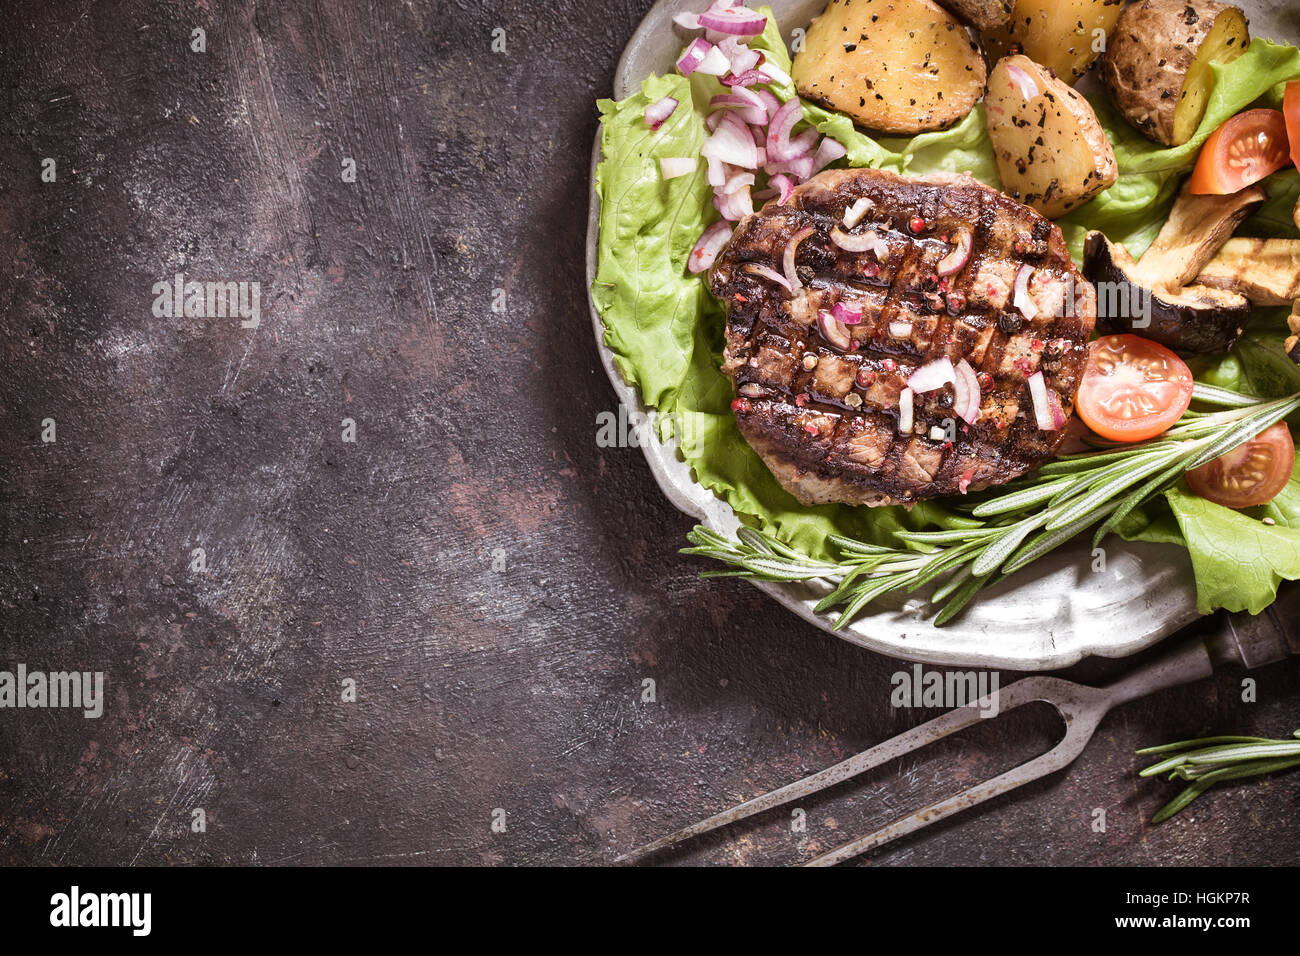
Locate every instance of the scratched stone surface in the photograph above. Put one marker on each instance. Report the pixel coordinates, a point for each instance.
(496, 585)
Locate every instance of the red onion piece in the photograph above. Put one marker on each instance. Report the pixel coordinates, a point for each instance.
(715, 63)
(861, 242)
(732, 143)
(932, 375)
(847, 314)
(738, 22)
(735, 181)
(905, 411)
(747, 111)
(717, 172)
(752, 390)
(1042, 409)
(969, 399)
(787, 260)
(900, 330)
(745, 79)
(1058, 413)
(693, 56)
(1022, 81)
(782, 125)
(709, 245)
(835, 333)
(734, 206)
(658, 111)
(670, 167)
(774, 73)
(828, 151)
(800, 169)
(770, 102)
(782, 183)
(853, 215)
(803, 145)
(1021, 299)
(956, 260)
(687, 21)
(767, 272)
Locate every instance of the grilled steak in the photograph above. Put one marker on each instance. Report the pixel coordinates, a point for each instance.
(822, 401)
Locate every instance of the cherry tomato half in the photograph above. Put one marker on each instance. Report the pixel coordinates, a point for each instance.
(1132, 388)
(1251, 474)
(1291, 109)
(1242, 151)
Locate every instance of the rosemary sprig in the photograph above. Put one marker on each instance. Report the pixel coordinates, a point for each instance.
(1025, 520)
(1212, 760)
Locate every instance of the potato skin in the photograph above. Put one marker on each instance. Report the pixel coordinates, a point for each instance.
(1059, 34)
(1148, 56)
(981, 14)
(894, 66)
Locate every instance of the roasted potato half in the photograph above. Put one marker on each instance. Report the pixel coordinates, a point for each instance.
(896, 66)
(1062, 35)
(1157, 65)
(1051, 152)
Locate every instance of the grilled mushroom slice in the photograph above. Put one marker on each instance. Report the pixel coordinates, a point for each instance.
(1265, 271)
(1292, 344)
(1193, 320)
(1196, 229)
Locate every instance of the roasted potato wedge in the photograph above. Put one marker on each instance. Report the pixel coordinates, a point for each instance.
(981, 14)
(1062, 35)
(1157, 65)
(1051, 152)
(896, 66)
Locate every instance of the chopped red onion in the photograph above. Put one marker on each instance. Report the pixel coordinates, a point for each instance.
(732, 143)
(687, 21)
(900, 330)
(782, 125)
(787, 260)
(1058, 413)
(905, 411)
(1021, 299)
(774, 73)
(717, 172)
(1023, 81)
(752, 390)
(828, 151)
(670, 167)
(715, 63)
(709, 245)
(658, 111)
(745, 79)
(800, 169)
(693, 56)
(752, 114)
(853, 215)
(770, 102)
(767, 272)
(737, 21)
(956, 260)
(861, 242)
(931, 376)
(782, 183)
(835, 333)
(967, 385)
(1042, 409)
(847, 314)
(734, 206)
(735, 181)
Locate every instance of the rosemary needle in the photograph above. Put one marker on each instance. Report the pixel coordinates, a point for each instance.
(1212, 760)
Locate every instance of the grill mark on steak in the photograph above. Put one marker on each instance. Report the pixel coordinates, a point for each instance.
(825, 419)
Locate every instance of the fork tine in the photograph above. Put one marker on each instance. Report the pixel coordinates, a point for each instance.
(1020, 692)
(1076, 737)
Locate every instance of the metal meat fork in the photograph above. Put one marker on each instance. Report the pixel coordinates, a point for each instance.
(1239, 639)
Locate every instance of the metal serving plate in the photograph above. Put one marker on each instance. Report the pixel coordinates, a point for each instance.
(1047, 616)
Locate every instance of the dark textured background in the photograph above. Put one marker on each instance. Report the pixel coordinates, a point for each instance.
(479, 688)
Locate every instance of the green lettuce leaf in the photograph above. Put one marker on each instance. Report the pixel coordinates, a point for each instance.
(1239, 558)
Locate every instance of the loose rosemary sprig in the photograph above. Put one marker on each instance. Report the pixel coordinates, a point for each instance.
(1026, 520)
(1211, 760)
